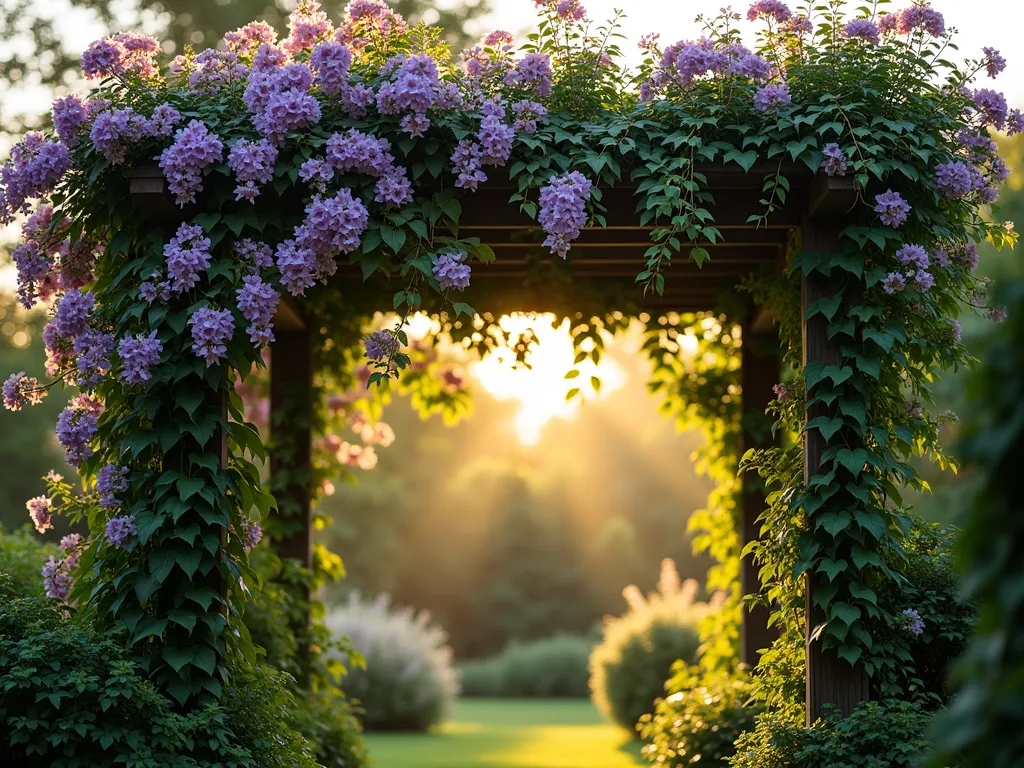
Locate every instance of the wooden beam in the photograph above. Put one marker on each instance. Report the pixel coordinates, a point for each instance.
(759, 372)
(829, 679)
(291, 408)
(831, 197)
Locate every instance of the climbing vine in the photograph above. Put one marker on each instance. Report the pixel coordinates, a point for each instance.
(355, 147)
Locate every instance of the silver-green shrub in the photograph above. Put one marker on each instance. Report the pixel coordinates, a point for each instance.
(407, 681)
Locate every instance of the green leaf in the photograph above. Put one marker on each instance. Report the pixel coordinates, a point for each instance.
(854, 461)
(189, 486)
(846, 613)
(699, 256)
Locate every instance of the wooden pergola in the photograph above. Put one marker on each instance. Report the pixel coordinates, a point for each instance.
(816, 210)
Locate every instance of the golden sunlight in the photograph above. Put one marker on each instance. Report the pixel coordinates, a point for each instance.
(541, 386)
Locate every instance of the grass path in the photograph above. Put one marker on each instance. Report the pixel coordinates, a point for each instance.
(511, 733)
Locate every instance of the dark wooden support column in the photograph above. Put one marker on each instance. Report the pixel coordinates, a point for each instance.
(291, 409)
(829, 679)
(758, 374)
(291, 404)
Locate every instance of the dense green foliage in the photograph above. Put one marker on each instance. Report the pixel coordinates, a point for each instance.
(700, 719)
(628, 668)
(550, 667)
(22, 554)
(72, 698)
(983, 724)
(887, 734)
(403, 678)
(928, 582)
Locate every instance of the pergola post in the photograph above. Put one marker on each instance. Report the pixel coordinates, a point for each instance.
(291, 408)
(829, 679)
(759, 372)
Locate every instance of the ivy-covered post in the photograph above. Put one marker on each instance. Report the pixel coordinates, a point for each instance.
(830, 680)
(291, 407)
(759, 372)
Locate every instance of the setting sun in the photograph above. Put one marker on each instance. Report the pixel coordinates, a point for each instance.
(541, 386)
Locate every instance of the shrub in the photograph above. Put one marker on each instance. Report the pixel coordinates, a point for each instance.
(407, 681)
(321, 712)
(699, 721)
(630, 665)
(71, 698)
(22, 554)
(887, 734)
(929, 583)
(550, 667)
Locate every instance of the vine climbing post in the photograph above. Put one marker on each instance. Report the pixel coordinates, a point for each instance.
(759, 372)
(291, 401)
(830, 680)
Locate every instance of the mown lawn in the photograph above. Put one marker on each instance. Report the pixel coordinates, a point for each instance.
(511, 733)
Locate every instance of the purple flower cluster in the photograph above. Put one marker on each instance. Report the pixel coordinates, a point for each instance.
(59, 349)
(526, 114)
(120, 531)
(254, 254)
(165, 118)
(862, 29)
(115, 131)
(138, 354)
(330, 62)
(253, 164)
(532, 73)
(920, 17)
(93, 350)
(355, 99)
(187, 256)
(75, 429)
(35, 168)
(21, 390)
(956, 179)
(834, 162)
(913, 622)
(772, 97)
(279, 101)
(563, 210)
(155, 288)
(57, 581)
(251, 535)
(357, 152)
(570, 10)
(213, 70)
(68, 114)
(966, 256)
(992, 106)
(380, 345)
(994, 62)
(467, 165)
(246, 41)
(781, 393)
(332, 225)
(211, 329)
(452, 272)
(307, 24)
(494, 136)
(393, 189)
(124, 54)
(73, 313)
(413, 91)
(692, 60)
(891, 208)
(913, 256)
(894, 282)
(110, 481)
(183, 163)
(40, 510)
(773, 10)
(257, 302)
